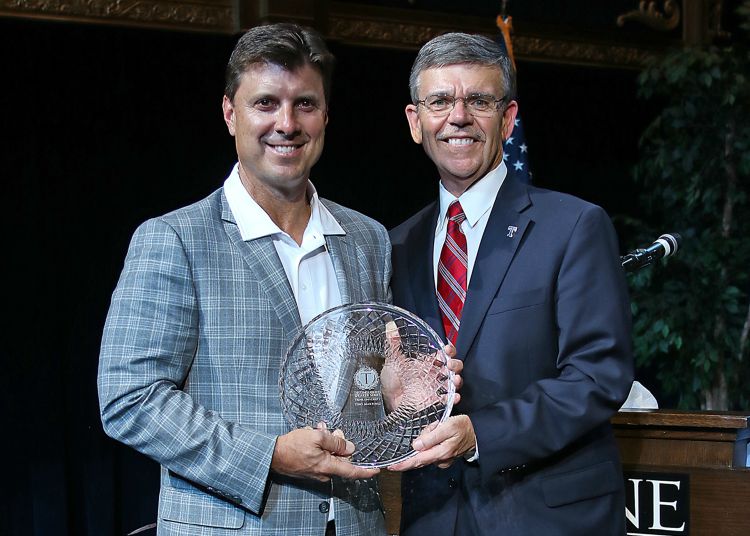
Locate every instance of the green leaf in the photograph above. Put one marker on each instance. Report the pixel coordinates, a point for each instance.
(688, 311)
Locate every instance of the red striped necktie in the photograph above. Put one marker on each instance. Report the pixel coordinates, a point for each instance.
(452, 269)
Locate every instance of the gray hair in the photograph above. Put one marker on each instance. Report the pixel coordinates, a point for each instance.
(455, 48)
(288, 45)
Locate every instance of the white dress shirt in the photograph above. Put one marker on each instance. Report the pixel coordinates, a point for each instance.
(477, 203)
(308, 266)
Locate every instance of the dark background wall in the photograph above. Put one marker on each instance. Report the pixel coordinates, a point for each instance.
(104, 127)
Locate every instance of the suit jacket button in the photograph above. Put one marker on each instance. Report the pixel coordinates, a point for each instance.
(452, 483)
(324, 507)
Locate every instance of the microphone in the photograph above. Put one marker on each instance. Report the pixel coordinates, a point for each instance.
(664, 246)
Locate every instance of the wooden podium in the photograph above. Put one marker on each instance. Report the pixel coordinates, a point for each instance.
(705, 452)
(708, 448)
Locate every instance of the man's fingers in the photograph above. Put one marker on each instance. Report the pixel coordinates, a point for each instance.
(453, 434)
(345, 469)
(316, 453)
(458, 381)
(336, 444)
(342, 468)
(406, 465)
(415, 462)
(425, 439)
(455, 365)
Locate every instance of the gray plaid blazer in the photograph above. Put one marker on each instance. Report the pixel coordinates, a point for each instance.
(189, 366)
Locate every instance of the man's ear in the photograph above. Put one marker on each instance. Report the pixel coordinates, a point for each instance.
(509, 119)
(228, 113)
(415, 124)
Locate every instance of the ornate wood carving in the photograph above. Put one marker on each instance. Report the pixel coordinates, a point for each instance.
(560, 51)
(211, 15)
(383, 33)
(350, 22)
(648, 14)
(531, 48)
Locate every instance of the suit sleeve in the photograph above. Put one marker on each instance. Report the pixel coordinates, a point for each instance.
(593, 363)
(150, 339)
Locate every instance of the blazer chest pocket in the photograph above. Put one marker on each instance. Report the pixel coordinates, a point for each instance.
(517, 300)
(197, 508)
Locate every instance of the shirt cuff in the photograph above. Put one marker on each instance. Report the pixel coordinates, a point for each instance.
(472, 455)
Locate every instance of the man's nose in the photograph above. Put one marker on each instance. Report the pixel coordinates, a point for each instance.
(460, 113)
(286, 119)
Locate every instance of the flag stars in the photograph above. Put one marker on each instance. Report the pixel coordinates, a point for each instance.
(516, 153)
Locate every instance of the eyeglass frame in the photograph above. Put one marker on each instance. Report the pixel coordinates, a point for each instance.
(455, 99)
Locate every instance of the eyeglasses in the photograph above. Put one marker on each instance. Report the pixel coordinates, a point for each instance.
(477, 104)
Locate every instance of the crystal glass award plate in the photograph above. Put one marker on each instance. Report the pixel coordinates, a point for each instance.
(374, 371)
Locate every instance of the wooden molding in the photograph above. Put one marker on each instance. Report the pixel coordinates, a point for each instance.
(358, 24)
(400, 29)
(649, 14)
(196, 15)
(532, 48)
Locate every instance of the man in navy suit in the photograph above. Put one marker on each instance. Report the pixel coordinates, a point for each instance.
(528, 285)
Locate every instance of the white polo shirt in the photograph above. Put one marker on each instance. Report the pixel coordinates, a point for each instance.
(308, 266)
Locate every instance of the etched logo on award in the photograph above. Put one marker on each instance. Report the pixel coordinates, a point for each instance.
(366, 381)
(366, 378)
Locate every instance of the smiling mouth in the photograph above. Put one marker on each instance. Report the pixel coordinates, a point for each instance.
(460, 141)
(284, 149)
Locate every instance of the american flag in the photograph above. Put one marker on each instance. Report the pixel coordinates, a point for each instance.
(516, 154)
(515, 150)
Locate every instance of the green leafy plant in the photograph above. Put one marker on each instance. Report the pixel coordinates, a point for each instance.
(692, 311)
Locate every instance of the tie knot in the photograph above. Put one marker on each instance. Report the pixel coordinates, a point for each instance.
(456, 212)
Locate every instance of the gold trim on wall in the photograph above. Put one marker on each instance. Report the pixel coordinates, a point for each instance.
(560, 51)
(529, 48)
(200, 15)
(648, 13)
(357, 24)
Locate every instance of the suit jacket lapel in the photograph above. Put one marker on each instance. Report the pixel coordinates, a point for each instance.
(502, 236)
(422, 272)
(260, 255)
(344, 257)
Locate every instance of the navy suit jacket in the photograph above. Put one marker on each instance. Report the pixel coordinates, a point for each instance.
(546, 344)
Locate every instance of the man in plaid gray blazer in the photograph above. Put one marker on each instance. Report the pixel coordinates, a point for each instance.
(211, 296)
